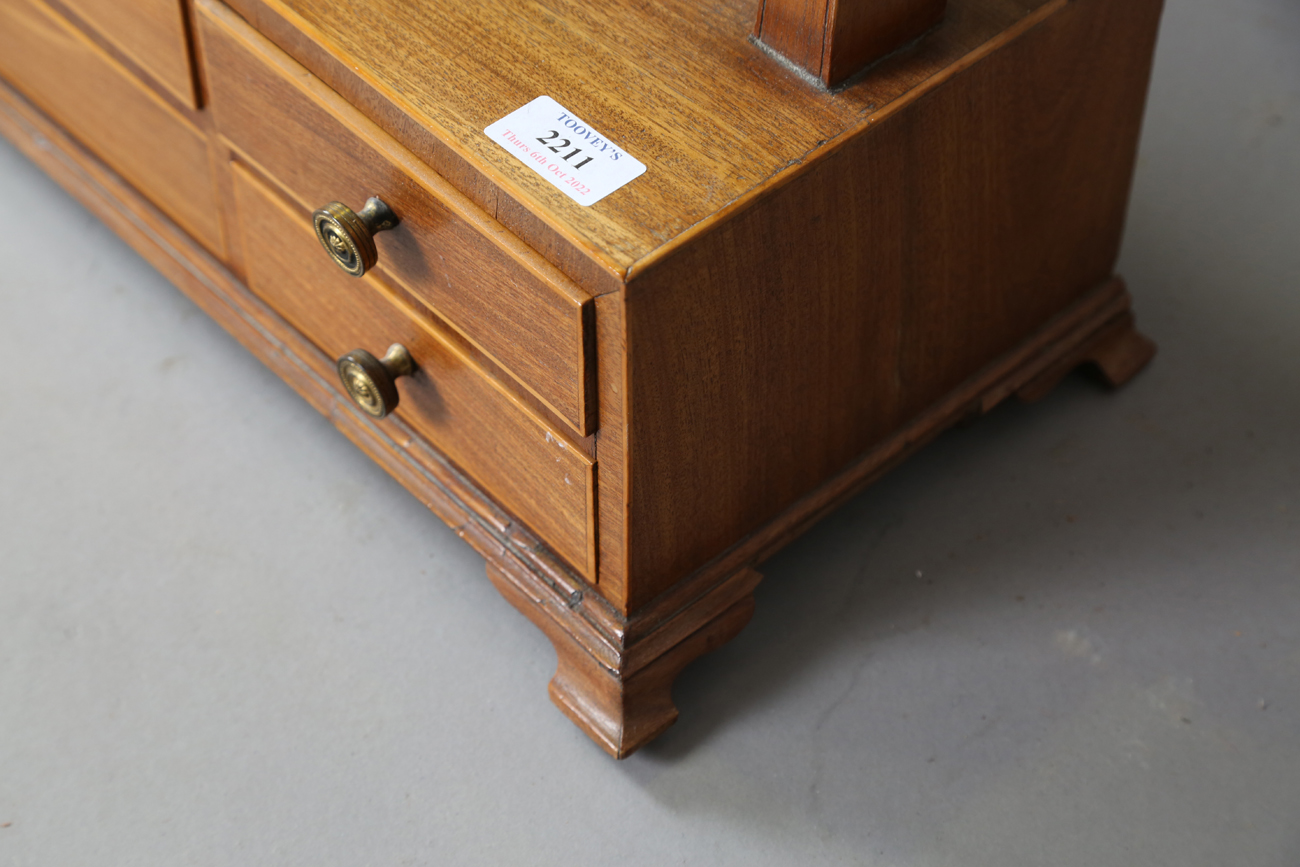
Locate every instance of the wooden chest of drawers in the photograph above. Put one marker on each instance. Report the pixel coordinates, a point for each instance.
(624, 406)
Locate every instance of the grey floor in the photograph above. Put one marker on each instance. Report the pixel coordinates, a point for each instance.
(1066, 635)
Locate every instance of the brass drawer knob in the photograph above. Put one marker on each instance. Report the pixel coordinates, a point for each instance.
(349, 236)
(372, 382)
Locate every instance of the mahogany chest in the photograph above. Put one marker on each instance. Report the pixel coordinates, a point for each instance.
(628, 294)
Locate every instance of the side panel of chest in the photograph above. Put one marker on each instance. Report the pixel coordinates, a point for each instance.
(770, 348)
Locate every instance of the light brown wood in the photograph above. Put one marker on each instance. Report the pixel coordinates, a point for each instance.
(1061, 344)
(611, 447)
(853, 297)
(533, 471)
(1118, 351)
(150, 143)
(621, 701)
(598, 646)
(803, 289)
(597, 640)
(614, 674)
(397, 447)
(680, 87)
(832, 40)
(498, 293)
(152, 33)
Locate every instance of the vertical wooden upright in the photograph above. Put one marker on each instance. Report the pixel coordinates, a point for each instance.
(833, 39)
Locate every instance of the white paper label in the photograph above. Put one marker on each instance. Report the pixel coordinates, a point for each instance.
(564, 149)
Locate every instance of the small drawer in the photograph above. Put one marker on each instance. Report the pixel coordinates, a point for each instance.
(450, 400)
(122, 121)
(496, 291)
(151, 33)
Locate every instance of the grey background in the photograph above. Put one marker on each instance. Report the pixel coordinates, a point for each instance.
(1066, 635)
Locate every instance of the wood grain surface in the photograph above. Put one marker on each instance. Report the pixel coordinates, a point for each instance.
(392, 443)
(615, 672)
(533, 471)
(803, 289)
(135, 131)
(764, 355)
(623, 699)
(832, 40)
(611, 448)
(153, 33)
(596, 640)
(497, 292)
(714, 118)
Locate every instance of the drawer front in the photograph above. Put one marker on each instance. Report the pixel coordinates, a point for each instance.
(498, 293)
(118, 118)
(151, 33)
(450, 400)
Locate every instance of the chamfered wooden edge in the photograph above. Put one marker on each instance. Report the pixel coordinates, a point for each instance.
(615, 672)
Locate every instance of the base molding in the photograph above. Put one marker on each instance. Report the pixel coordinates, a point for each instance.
(615, 673)
(621, 694)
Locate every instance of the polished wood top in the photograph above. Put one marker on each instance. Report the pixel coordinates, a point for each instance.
(676, 83)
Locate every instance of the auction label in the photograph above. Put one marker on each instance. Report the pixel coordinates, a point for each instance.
(576, 159)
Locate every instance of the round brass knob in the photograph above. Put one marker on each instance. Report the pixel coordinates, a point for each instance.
(349, 236)
(372, 382)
